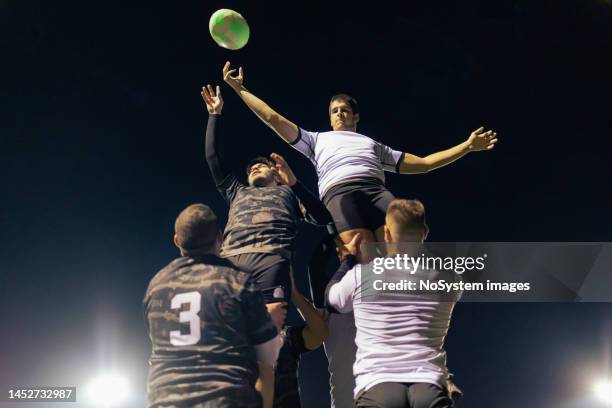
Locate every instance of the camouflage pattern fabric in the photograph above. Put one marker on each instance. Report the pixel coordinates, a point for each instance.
(204, 318)
(261, 219)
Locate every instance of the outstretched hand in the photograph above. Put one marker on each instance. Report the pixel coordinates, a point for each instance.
(283, 170)
(213, 99)
(234, 81)
(481, 140)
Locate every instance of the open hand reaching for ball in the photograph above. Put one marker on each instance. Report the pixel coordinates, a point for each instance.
(213, 99)
(235, 81)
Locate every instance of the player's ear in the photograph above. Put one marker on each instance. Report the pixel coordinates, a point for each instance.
(175, 240)
(388, 238)
(357, 117)
(425, 233)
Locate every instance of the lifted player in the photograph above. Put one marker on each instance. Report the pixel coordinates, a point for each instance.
(351, 166)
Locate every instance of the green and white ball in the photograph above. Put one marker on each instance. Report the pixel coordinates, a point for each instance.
(229, 29)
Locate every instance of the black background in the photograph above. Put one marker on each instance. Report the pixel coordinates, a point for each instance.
(102, 145)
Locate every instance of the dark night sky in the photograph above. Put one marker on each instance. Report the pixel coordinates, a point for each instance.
(101, 136)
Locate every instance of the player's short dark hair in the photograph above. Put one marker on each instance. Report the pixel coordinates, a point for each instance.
(409, 215)
(260, 159)
(196, 227)
(348, 99)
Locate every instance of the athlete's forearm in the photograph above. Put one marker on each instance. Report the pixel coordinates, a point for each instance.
(347, 263)
(283, 127)
(414, 164)
(213, 159)
(316, 329)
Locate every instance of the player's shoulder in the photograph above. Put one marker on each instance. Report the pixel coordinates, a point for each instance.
(203, 271)
(167, 272)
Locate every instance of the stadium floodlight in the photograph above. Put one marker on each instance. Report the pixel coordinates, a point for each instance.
(603, 391)
(108, 390)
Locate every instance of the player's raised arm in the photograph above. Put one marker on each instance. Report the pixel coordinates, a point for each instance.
(286, 129)
(214, 106)
(224, 179)
(478, 140)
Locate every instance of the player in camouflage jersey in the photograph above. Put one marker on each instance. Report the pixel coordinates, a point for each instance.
(263, 216)
(209, 328)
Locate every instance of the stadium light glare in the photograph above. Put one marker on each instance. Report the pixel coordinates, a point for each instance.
(108, 390)
(603, 391)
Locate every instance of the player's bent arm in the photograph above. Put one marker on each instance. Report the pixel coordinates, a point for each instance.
(412, 164)
(286, 129)
(316, 330)
(339, 291)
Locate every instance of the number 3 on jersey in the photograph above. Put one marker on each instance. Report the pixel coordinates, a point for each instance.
(189, 316)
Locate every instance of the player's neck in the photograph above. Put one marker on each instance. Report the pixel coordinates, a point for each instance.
(193, 253)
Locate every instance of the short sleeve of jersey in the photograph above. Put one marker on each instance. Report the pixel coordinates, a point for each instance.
(305, 143)
(389, 158)
(260, 327)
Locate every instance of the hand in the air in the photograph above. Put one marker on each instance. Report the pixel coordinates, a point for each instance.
(283, 170)
(234, 81)
(213, 99)
(481, 140)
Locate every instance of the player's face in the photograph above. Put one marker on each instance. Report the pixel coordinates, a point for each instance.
(261, 175)
(341, 116)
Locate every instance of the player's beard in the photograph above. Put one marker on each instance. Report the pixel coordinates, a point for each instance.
(263, 181)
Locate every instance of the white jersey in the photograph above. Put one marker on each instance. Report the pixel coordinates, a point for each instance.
(344, 155)
(397, 340)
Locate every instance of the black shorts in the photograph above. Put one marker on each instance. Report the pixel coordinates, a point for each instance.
(404, 395)
(268, 270)
(358, 204)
